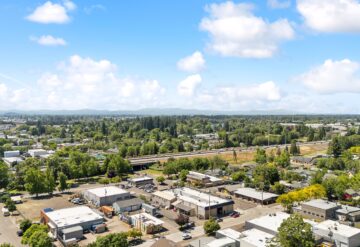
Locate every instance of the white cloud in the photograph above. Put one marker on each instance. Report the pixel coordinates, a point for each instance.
(188, 86)
(48, 40)
(89, 10)
(333, 77)
(52, 12)
(84, 82)
(279, 4)
(193, 63)
(236, 31)
(331, 15)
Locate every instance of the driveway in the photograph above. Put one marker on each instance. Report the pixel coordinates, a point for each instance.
(8, 229)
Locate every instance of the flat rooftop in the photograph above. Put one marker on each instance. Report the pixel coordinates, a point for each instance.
(199, 175)
(167, 195)
(139, 179)
(256, 194)
(320, 203)
(221, 242)
(337, 228)
(273, 221)
(199, 198)
(72, 216)
(347, 209)
(230, 233)
(147, 219)
(256, 237)
(107, 191)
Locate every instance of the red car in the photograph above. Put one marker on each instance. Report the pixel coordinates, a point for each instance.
(235, 215)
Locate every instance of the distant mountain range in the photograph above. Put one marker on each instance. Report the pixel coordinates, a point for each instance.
(145, 112)
(161, 112)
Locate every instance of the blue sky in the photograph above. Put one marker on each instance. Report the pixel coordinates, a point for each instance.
(300, 56)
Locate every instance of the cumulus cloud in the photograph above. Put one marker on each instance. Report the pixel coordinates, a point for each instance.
(82, 82)
(236, 31)
(48, 40)
(52, 12)
(278, 4)
(331, 16)
(333, 77)
(193, 63)
(188, 86)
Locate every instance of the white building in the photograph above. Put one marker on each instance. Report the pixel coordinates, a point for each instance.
(105, 195)
(146, 223)
(222, 242)
(342, 235)
(255, 238)
(61, 219)
(38, 153)
(193, 202)
(11, 154)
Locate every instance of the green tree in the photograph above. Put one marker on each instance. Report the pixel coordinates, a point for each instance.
(294, 150)
(34, 181)
(63, 185)
(111, 240)
(260, 156)
(6, 245)
(335, 147)
(4, 175)
(235, 156)
(134, 233)
(278, 188)
(238, 176)
(294, 232)
(32, 230)
(160, 179)
(25, 224)
(183, 175)
(49, 182)
(211, 226)
(40, 239)
(10, 205)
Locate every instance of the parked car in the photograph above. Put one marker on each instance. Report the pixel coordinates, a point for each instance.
(219, 220)
(235, 215)
(186, 236)
(20, 233)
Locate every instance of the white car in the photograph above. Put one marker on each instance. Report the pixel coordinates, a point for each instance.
(186, 236)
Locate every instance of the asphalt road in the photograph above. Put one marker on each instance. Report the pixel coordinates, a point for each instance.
(8, 231)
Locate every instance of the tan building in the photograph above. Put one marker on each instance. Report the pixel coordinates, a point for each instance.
(318, 209)
(163, 199)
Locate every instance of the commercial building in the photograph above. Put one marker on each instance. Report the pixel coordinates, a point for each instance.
(255, 238)
(222, 242)
(163, 199)
(105, 195)
(256, 195)
(340, 234)
(11, 154)
(141, 181)
(59, 220)
(127, 205)
(146, 223)
(38, 153)
(348, 213)
(12, 161)
(271, 222)
(318, 209)
(198, 178)
(195, 203)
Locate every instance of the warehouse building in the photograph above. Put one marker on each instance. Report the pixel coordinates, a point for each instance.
(348, 213)
(198, 178)
(105, 195)
(146, 223)
(256, 196)
(68, 218)
(141, 181)
(318, 209)
(127, 205)
(163, 199)
(196, 203)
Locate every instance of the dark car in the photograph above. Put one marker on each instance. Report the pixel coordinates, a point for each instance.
(20, 233)
(235, 215)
